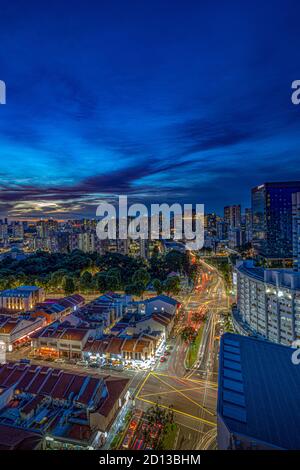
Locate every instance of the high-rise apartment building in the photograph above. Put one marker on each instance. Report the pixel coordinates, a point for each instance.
(232, 215)
(268, 303)
(296, 230)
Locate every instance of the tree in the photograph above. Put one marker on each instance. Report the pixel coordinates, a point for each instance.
(172, 285)
(57, 278)
(197, 316)
(68, 285)
(115, 273)
(135, 289)
(112, 283)
(86, 281)
(157, 285)
(101, 282)
(141, 276)
(175, 260)
(160, 419)
(188, 334)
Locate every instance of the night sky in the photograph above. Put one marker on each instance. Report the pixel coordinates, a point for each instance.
(164, 101)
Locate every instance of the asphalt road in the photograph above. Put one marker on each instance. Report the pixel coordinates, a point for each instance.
(192, 393)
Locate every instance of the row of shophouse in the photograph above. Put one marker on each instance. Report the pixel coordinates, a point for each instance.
(135, 334)
(113, 324)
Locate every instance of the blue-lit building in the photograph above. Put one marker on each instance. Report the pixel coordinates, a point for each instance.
(272, 232)
(258, 396)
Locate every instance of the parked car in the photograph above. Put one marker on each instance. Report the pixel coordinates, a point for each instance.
(162, 359)
(81, 363)
(94, 365)
(25, 361)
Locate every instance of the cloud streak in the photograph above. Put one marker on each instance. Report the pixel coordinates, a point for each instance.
(188, 104)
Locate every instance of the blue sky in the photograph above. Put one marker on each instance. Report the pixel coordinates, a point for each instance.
(163, 101)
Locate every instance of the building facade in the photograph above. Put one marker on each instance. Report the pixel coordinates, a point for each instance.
(232, 216)
(296, 230)
(272, 219)
(21, 298)
(14, 330)
(268, 303)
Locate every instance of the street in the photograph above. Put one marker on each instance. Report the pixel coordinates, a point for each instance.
(192, 393)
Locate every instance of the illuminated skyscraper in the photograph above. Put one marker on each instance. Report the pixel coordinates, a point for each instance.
(272, 219)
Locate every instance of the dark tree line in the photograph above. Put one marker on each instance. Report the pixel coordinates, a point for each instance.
(79, 271)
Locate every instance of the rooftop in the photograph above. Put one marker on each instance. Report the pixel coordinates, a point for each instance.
(285, 278)
(163, 298)
(22, 291)
(259, 390)
(12, 438)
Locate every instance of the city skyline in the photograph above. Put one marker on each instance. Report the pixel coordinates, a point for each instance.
(119, 99)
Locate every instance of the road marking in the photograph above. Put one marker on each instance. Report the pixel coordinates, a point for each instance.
(170, 391)
(202, 420)
(185, 396)
(200, 381)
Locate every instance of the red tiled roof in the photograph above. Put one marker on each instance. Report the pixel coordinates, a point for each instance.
(129, 345)
(141, 345)
(77, 384)
(114, 345)
(89, 391)
(62, 385)
(50, 382)
(14, 377)
(27, 378)
(115, 389)
(96, 346)
(4, 373)
(74, 334)
(8, 327)
(32, 404)
(38, 380)
(80, 432)
(12, 438)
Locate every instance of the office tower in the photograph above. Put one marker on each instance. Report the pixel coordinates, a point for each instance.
(272, 219)
(296, 230)
(232, 215)
(236, 237)
(222, 230)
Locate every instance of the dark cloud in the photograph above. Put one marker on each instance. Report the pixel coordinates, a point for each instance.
(190, 102)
